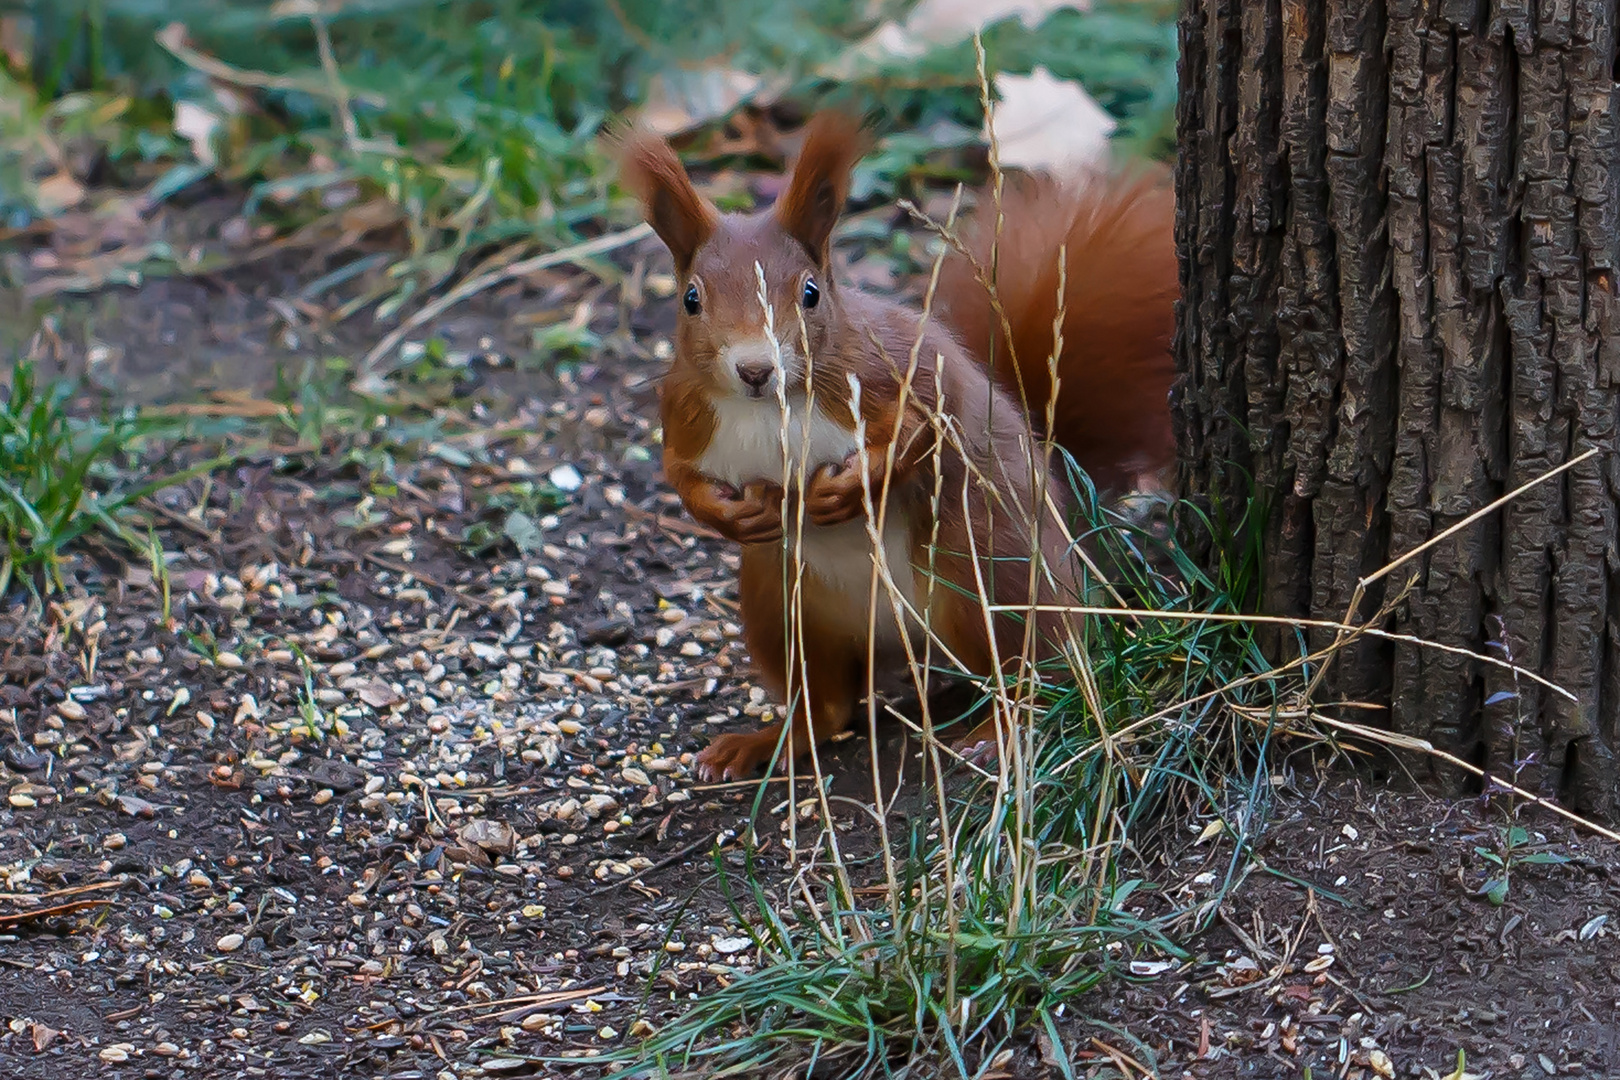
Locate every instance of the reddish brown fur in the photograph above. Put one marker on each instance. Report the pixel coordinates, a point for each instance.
(816, 192)
(1115, 372)
(649, 167)
(834, 652)
(850, 332)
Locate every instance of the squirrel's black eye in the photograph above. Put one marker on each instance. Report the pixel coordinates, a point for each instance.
(691, 302)
(812, 295)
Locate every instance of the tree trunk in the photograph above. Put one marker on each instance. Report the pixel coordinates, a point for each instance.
(1398, 222)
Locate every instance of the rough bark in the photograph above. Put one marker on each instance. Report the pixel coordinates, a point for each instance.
(1399, 223)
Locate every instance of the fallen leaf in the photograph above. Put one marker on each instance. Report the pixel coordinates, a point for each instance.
(57, 193)
(135, 806)
(43, 1037)
(1239, 972)
(1300, 992)
(495, 836)
(678, 101)
(197, 125)
(1045, 123)
(379, 695)
(938, 24)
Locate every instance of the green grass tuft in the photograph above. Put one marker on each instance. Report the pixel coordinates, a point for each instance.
(64, 479)
(1034, 885)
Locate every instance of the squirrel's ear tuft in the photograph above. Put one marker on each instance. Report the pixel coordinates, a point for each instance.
(649, 167)
(815, 195)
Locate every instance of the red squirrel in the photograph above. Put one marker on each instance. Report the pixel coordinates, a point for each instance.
(940, 412)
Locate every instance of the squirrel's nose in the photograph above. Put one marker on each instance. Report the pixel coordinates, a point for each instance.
(755, 374)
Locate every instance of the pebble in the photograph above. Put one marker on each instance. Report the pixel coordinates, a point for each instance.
(566, 478)
(597, 805)
(229, 943)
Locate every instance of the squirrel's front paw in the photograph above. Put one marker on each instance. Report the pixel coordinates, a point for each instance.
(752, 515)
(835, 493)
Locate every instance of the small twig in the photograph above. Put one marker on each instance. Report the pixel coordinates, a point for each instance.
(1409, 742)
(173, 38)
(174, 517)
(1260, 951)
(488, 792)
(27, 898)
(670, 523)
(573, 253)
(1121, 1059)
(17, 918)
(730, 785)
(245, 409)
(426, 579)
(665, 863)
(550, 997)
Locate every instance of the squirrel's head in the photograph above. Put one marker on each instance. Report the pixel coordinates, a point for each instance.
(722, 334)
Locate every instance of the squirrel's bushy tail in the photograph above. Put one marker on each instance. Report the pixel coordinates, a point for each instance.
(1115, 369)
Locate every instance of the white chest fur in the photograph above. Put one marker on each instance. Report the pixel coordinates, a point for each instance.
(749, 435)
(747, 445)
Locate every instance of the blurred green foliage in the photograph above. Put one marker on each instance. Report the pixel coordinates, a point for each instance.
(476, 120)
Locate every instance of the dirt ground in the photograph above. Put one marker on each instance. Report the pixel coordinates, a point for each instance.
(378, 807)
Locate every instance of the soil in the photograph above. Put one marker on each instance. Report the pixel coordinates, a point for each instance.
(372, 805)
(1388, 883)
